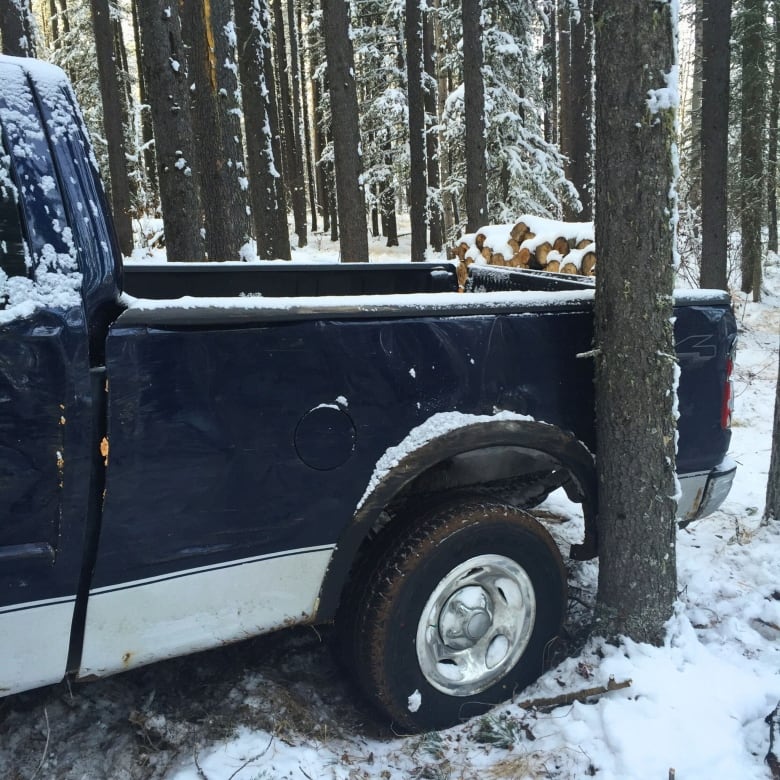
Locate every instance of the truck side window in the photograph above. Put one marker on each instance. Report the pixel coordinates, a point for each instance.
(12, 259)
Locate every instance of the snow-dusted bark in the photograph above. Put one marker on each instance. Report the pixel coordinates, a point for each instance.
(165, 74)
(417, 158)
(636, 370)
(17, 28)
(215, 109)
(342, 87)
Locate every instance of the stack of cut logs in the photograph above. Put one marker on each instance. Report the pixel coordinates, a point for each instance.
(532, 242)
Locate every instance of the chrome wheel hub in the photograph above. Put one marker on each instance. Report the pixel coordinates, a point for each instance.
(475, 625)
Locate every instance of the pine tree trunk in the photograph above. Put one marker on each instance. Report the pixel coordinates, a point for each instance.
(716, 36)
(151, 185)
(565, 87)
(694, 150)
(772, 510)
(474, 99)
(417, 162)
(292, 122)
(752, 186)
(165, 75)
(307, 135)
(266, 191)
(17, 28)
(442, 91)
(550, 85)
(214, 106)
(350, 197)
(580, 167)
(774, 106)
(635, 363)
(112, 98)
(431, 137)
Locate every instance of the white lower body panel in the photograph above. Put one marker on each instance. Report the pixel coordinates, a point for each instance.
(34, 640)
(136, 623)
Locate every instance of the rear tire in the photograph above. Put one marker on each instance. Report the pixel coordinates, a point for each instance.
(456, 614)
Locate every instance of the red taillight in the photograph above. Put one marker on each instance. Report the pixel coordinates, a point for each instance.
(728, 394)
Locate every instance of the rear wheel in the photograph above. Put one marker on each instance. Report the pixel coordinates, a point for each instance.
(456, 614)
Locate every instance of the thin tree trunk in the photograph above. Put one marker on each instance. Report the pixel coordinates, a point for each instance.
(111, 95)
(752, 186)
(694, 151)
(351, 201)
(151, 188)
(417, 161)
(772, 510)
(550, 86)
(474, 100)
(292, 119)
(635, 363)
(165, 75)
(431, 137)
(565, 87)
(580, 167)
(266, 191)
(774, 105)
(716, 36)
(441, 100)
(307, 135)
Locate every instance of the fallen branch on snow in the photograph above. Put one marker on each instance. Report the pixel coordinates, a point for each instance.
(568, 698)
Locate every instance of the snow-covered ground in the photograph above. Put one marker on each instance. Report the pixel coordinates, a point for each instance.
(276, 707)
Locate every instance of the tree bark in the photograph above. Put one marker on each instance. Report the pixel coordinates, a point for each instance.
(772, 510)
(752, 187)
(418, 186)
(215, 105)
(169, 96)
(716, 37)
(287, 72)
(694, 150)
(474, 100)
(17, 28)
(433, 196)
(550, 84)
(774, 109)
(266, 190)
(113, 99)
(635, 359)
(351, 200)
(580, 164)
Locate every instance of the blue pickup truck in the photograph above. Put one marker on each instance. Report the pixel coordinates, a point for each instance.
(193, 454)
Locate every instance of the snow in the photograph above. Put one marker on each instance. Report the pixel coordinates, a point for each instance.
(414, 701)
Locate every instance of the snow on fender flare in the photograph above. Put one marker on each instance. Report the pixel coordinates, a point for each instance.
(439, 438)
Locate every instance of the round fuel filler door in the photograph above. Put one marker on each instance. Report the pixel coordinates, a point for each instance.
(325, 437)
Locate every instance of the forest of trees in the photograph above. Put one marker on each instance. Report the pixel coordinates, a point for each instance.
(227, 117)
(230, 118)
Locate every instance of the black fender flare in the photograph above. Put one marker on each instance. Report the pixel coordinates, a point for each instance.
(386, 484)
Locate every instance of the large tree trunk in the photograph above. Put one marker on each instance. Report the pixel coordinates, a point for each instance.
(214, 89)
(266, 191)
(635, 363)
(113, 99)
(752, 188)
(418, 187)
(694, 151)
(350, 197)
(17, 28)
(716, 35)
(474, 100)
(165, 75)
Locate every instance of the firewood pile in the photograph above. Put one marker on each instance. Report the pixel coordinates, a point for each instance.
(531, 242)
